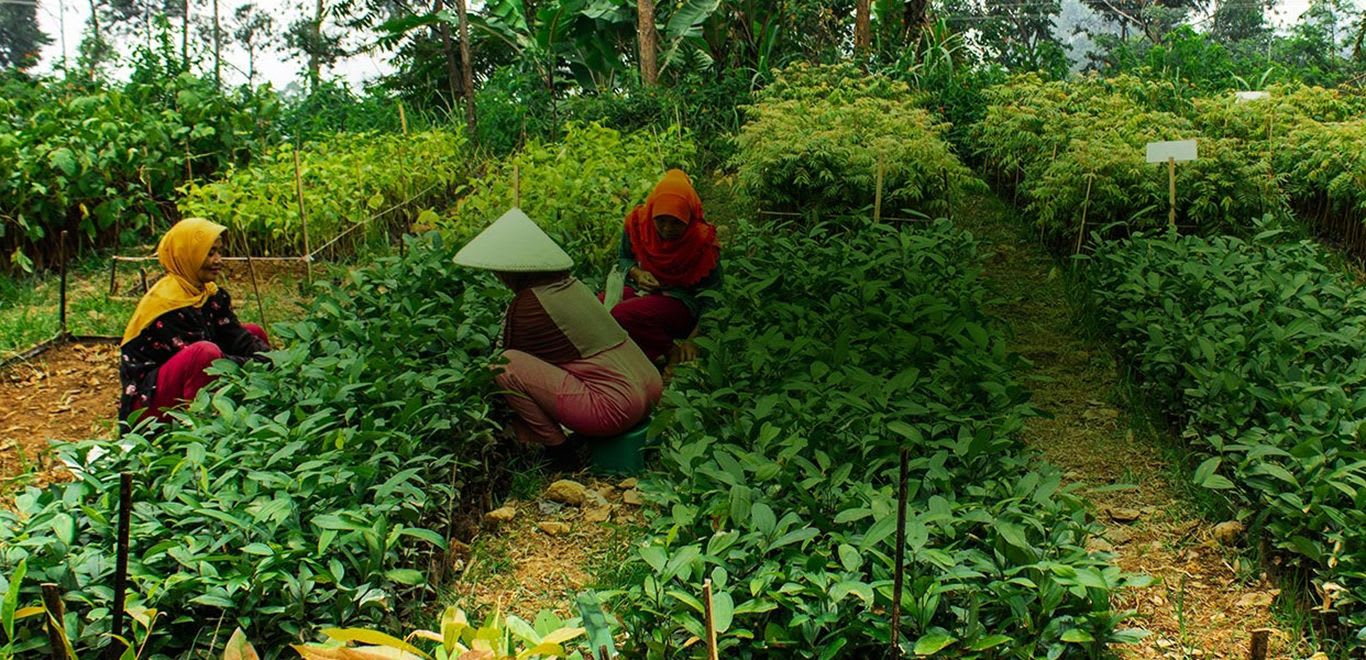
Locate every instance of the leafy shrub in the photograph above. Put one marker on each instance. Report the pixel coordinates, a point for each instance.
(1254, 348)
(814, 141)
(310, 491)
(347, 179)
(102, 161)
(1321, 167)
(1054, 140)
(778, 467)
(579, 189)
(1287, 107)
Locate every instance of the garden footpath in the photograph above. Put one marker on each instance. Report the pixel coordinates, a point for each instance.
(1203, 603)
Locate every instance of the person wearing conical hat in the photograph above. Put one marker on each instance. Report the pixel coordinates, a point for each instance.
(568, 362)
(671, 254)
(182, 325)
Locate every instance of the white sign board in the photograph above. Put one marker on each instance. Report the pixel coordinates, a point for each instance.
(1178, 150)
(1244, 97)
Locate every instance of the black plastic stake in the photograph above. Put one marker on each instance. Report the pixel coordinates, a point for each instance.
(899, 573)
(121, 565)
(61, 314)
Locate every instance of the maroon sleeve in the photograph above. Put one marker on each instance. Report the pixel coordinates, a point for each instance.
(531, 330)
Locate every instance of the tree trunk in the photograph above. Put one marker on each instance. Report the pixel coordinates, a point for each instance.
(466, 66)
(863, 27)
(217, 50)
(448, 50)
(314, 64)
(645, 34)
(185, 35)
(915, 19)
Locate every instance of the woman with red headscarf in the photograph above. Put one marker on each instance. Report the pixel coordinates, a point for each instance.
(670, 253)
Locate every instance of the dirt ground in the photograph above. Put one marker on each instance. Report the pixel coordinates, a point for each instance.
(66, 393)
(531, 562)
(1203, 602)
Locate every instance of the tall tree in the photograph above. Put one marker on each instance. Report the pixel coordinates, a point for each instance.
(466, 67)
(863, 26)
(251, 27)
(1238, 21)
(307, 38)
(645, 35)
(1152, 18)
(20, 37)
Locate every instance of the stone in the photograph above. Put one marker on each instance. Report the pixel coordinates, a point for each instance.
(607, 492)
(548, 508)
(597, 514)
(1118, 535)
(1257, 599)
(628, 484)
(1228, 533)
(567, 491)
(554, 528)
(1098, 544)
(501, 515)
(1124, 515)
(631, 497)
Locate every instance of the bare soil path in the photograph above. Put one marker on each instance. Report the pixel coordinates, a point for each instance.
(1206, 600)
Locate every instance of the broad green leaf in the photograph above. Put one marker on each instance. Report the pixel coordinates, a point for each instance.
(933, 643)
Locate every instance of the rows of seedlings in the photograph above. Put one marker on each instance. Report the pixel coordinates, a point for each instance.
(839, 348)
(318, 490)
(1254, 349)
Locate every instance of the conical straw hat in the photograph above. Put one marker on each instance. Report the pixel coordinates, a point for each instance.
(513, 244)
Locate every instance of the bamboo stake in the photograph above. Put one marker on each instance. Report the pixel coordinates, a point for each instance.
(113, 276)
(303, 215)
(255, 288)
(899, 572)
(56, 613)
(1171, 191)
(143, 272)
(61, 315)
(1085, 205)
(877, 197)
(121, 560)
(402, 119)
(516, 186)
(711, 625)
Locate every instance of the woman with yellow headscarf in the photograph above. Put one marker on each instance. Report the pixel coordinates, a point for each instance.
(183, 324)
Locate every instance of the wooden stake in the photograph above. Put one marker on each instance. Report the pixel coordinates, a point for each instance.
(402, 118)
(61, 314)
(251, 269)
(899, 571)
(516, 186)
(113, 277)
(1085, 205)
(121, 561)
(1261, 639)
(143, 273)
(303, 214)
(1171, 191)
(877, 196)
(711, 625)
(56, 612)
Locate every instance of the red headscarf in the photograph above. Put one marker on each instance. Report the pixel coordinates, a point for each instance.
(686, 260)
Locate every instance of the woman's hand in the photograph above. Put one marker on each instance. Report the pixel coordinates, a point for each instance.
(684, 351)
(644, 280)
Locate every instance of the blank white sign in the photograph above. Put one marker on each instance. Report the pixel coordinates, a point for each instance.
(1180, 150)
(1244, 97)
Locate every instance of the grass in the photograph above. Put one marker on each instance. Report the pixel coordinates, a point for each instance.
(29, 304)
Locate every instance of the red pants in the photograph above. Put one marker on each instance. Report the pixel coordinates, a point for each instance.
(181, 378)
(599, 396)
(654, 321)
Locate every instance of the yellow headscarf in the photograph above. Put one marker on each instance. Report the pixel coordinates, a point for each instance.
(182, 252)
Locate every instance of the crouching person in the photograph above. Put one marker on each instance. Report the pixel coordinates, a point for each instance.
(569, 364)
(182, 325)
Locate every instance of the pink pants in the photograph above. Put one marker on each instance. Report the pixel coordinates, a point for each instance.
(603, 395)
(181, 378)
(654, 321)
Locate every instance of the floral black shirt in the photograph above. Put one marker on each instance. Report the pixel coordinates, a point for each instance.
(142, 357)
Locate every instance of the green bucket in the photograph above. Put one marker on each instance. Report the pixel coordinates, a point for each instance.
(621, 454)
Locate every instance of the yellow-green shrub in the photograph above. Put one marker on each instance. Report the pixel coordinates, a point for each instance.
(578, 188)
